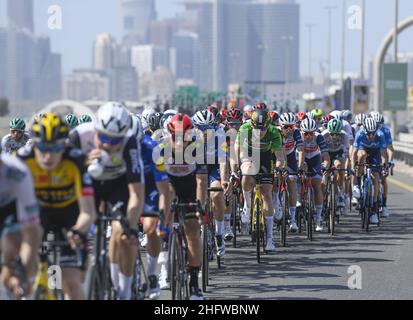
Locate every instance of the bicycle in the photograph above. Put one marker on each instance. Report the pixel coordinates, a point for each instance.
(99, 284)
(367, 195)
(236, 210)
(284, 203)
(306, 212)
(178, 250)
(257, 221)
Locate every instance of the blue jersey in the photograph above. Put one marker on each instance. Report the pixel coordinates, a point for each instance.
(387, 134)
(153, 174)
(363, 143)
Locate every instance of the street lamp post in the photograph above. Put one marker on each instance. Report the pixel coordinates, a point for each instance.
(396, 24)
(363, 31)
(310, 26)
(330, 10)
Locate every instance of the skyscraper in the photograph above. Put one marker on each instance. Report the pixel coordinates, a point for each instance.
(185, 55)
(136, 17)
(104, 50)
(20, 14)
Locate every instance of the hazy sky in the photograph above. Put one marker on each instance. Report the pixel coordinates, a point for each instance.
(83, 19)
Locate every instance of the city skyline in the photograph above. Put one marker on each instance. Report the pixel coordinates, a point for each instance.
(78, 13)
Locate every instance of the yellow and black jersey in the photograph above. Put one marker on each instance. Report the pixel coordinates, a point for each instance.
(63, 186)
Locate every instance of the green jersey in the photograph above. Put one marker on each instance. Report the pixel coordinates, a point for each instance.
(270, 142)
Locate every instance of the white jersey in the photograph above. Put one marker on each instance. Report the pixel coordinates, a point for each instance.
(17, 195)
(341, 143)
(127, 160)
(9, 145)
(347, 128)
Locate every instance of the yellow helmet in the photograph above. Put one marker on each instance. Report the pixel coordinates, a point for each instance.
(49, 129)
(317, 113)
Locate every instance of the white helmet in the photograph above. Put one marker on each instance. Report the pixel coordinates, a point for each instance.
(147, 113)
(137, 128)
(287, 119)
(308, 125)
(377, 116)
(170, 112)
(247, 108)
(310, 115)
(360, 118)
(113, 119)
(370, 125)
(203, 117)
(336, 114)
(347, 115)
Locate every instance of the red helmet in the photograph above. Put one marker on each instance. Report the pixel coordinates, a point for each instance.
(327, 118)
(260, 106)
(180, 123)
(234, 115)
(274, 116)
(301, 116)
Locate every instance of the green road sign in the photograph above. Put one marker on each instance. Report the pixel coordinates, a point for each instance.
(395, 86)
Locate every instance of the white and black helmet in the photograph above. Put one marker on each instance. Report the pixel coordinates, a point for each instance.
(360, 118)
(378, 117)
(203, 117)
(308, 125)
(310, 115)
(370, 125)
(336, 114)
(287, 119)
(147, 113)
(347, 115)
(113, 119)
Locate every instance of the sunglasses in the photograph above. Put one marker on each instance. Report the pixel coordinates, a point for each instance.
(206, 127)
(371, 134)
(14, 131)
(309, 134)
(288, 127)
(50, 148)
(113, 141)
(233, 124)
(335, 134)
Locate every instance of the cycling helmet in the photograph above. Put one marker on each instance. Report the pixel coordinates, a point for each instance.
(71, 120)
(203, 118)
(274, 116)
(137, 127)
(336, 114)
(347, 115)
(327, 118)
(223, 114)
(234, 115)
(259, 106)
(300, 116)
(17, 124)
(180, 123)
(154, 121)
(247, 108)
(317, 113)
(370, 125)
(85, 118)
(38, 116)
(308, 125)
(378, 117)
(310, 115)
(50, 129)
(147, 113)
(214, 110)
(335, 126)
(287, 119)
(260, 119)
(113, 119)
(360, 118)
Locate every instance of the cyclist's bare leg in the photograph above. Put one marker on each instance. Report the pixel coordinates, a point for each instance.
(153, 247)
(218, 207)
(361, 158)
(10, 244)
(193, 236)
(72, 284)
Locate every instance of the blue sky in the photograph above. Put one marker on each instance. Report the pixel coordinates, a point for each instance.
(83, 19)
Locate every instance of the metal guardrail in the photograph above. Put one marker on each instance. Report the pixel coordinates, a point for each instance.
(403, 151)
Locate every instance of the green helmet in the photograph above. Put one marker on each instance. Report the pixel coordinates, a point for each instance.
(71, 120)
(335, 126)
(17, 124)
(85, 118)
(318, 113)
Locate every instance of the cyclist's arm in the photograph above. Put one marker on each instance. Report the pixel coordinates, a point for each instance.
(280, 155)
(301, 156)
(87, 214)
(325, 157)
(234, 158)
(390, 153)
(201, 188)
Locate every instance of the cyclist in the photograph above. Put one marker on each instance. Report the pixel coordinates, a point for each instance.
(338, 148)
(213, 175)
(390, 153)
(324, 122)
(65, 194)
(71, 121)
(147, 113)
(259, 106)
(85, 118)
(293, 146)
(157, 198)
(259, 136)
(154, 121)
(318, 116)
(115, 164)
(358, 122)
(300, 116)
(316, 158)
(369, 147)
(20, 231)
(17, 137)
(188, 187)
